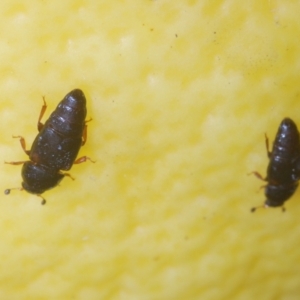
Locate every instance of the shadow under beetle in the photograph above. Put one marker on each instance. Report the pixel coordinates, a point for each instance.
(283, 172)
(56, 146)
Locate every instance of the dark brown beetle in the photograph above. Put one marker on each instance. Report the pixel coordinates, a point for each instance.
(56, 146)
(283, 171)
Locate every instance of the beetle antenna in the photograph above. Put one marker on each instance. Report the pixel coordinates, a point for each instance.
(7, 191)
(253, 209)
(43, 199)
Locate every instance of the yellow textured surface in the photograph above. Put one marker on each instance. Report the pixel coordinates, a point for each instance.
(181, 94)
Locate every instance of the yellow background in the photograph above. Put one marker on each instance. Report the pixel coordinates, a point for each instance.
(181, 94)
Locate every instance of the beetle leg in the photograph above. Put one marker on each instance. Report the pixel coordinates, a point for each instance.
(84, 134)
(44, 107)
(22, 142)
(297, 168)
(66, 174)
(269, 153)
(83, 159)
(259, 176)
(262, 187)
(15, 162)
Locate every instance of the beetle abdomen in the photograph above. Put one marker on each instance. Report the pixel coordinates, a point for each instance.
(285, 152)
(286, 145)
(68, 118)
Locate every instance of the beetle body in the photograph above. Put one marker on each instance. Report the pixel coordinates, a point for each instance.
(58, 142)
(282, 173)
(56, 146)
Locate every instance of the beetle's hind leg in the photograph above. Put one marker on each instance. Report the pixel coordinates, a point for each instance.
(84, 134)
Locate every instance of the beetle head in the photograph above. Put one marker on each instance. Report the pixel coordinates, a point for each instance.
(37, 178)
(277, 195)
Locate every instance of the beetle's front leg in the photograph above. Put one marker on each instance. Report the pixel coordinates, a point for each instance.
(269, 153)
(258, 175)
(83, 159)
(40, 125)
(15, 162)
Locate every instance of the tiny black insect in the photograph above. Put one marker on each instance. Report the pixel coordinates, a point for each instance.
(56, 146)
(283, 171)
